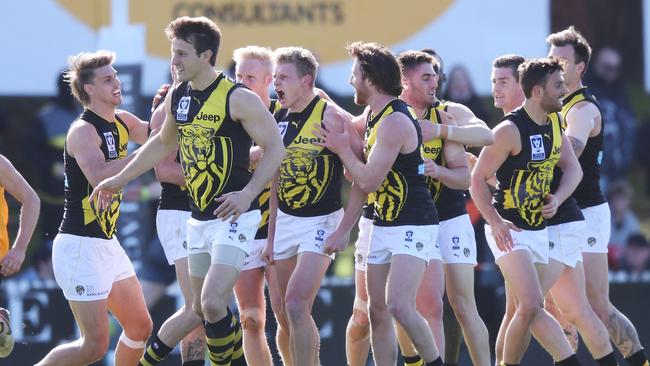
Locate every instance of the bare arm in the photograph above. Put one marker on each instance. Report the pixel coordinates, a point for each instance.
(167, 170)
(581, 124)
(154, 150)
(391, 135)
(137, 127)
(17, 186)
(491, 158)
(340, 238)
(571, 172)
(470, 130)
(455, 173)
(247, 108)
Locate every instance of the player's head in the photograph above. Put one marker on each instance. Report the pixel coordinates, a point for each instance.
(195, 44)
(542, 82)
(254, 68)
(506, 91)
(419, 78)
(375, 70)
(92, 78)
(571, 47)
(294, 74)
(438, 66)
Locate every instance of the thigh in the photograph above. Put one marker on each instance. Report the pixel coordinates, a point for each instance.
(183, 277)
(376, 280)
(520, 273)
(596, 276)
(307, 276)
(282, 272)
(405, 277)
(127, 303)
(249, 289)
(459, 282)
(361, 292)
(432, 287)
(92, 317)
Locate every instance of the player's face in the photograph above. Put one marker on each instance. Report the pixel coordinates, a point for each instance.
(255, 74)
(105, 86)
(506, 91)
(554, 90)
(288, 84)
(567, 55)
(421, 83)
(361, 90)
(185, 61)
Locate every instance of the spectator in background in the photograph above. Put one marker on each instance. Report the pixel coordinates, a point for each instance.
(461, 90)
(636, 255)
(620, 122)
(624, 221)
(51, 126)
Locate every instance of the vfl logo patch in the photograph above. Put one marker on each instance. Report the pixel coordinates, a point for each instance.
(282, 126)
(233, 228)
(537, 148)
(409, 236)
(183, 108)
(110, 145)
(455, 240)
(319, 234)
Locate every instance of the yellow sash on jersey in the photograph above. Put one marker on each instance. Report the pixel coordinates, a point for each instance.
(432, 149)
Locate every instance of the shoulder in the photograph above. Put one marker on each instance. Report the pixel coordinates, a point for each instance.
(505, 131)
(457, 109)
(127, 117)
(242, 95)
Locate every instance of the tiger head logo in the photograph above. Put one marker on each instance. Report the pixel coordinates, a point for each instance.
(304, 177)
(529, 196)
(390, 196)
(206, 162)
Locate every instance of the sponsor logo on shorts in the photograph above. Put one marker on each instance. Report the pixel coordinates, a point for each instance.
(466, 251)
(551, 245)
(233, 228)
(372, 256)
(419, 246)
(184, 244)
(242, 238)
(80, 290)
(319, 235)
(591, 241)
(359, 258)
(409, 236)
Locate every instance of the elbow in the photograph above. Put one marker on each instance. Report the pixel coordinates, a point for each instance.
(368, 186)
(466, 180)
(488, 139)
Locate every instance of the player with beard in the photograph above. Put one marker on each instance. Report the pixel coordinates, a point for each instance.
(528, 145)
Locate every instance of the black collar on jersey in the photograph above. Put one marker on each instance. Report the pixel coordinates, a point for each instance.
(568, 98)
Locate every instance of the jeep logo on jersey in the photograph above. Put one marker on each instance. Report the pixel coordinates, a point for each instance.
(183, 108)
(208, 117)
(537, 148)
(110, 145)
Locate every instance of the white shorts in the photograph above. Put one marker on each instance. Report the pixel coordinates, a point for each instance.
(414, 240)
(294, 235)
(171, 226)
(456, 241)
(85, 268)
(204, 236)
(598, 222)
(534, 241)
(564, 241)
(362, 243)
(254, 258)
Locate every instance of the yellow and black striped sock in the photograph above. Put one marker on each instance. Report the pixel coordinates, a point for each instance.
(413, 360)
(238, 358)
(219, 338)
(638, 359)
(155, 353)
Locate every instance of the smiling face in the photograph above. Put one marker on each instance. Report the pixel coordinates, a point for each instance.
(506, 91)
(255, 74)
(420, 85)
(105, 86)
(186, 62)
(289, 85)
(360, 84)
(552, 93)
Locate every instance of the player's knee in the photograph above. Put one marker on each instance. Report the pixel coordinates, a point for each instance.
(528, 309)
(400, 309)
(432, 308)
(94, 346)
(295, 307)
(140, 329)
(253, 320)
(360, 319)
(196, 309)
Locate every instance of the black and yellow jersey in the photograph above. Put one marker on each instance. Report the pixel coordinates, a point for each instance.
(588, 193)
(450, 202)
(4, 219)
(403, 197)
(432, 149)
(172, 197)
(263, 198)
(214, 149)
(310, 175)
(568, 210)
(80, 217)
(524, 180)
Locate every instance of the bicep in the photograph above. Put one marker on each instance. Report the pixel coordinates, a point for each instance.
(248, 109)
(568, 159)
(386, 149)
(579, 122)
(85, 146)
(454, 155)
(13, 182)
(506, 139)
(464, 116)
(168, 132)
(137, 127)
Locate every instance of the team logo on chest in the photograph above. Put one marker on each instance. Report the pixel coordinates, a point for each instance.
(183, 108)
(110, 145)
(537, 148)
